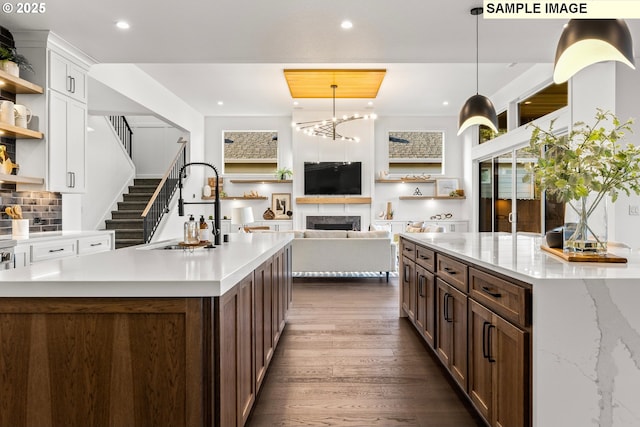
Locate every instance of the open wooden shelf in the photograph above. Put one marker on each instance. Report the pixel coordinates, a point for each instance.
(408, 181)
(430, 197)
(237, 198)
(334, 200)
(261, 181)
(15, 84)
(19, 179)
(9, 131)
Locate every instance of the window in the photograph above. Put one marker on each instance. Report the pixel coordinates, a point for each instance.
(487, 134)
(416, 152)
(250, 152)
(543, 102)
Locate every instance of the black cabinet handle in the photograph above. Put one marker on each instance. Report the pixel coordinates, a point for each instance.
(491, 359)
(56, 250)
(408, 249)
(96, 244)
(450, 270)
(486, 290)
(424, 257)
(447, 295)
(485, 353)
(420, 285)
(406, 273)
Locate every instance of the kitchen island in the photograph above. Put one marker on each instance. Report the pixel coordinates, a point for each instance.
(143, 335)
(530, 338)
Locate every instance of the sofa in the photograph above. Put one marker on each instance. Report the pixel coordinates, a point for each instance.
(343, 251)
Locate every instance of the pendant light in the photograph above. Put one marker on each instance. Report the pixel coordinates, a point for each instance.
(587, 41)
(478, 110)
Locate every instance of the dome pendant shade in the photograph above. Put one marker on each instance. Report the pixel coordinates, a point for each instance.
(587, 41)
(478, 110)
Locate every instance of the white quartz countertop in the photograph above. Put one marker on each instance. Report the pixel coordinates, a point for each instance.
(146, 271)
(519, 256)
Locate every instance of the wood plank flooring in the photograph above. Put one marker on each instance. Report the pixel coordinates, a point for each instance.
(347, 359)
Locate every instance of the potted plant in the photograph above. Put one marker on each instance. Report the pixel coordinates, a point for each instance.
(583, 168)
(11, 61)
(283, 173)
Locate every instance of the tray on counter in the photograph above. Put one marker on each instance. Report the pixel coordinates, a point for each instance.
(573, 257)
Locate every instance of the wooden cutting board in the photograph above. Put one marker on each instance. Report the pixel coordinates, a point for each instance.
(573, 257)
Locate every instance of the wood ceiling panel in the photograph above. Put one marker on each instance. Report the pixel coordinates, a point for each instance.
(317, 83)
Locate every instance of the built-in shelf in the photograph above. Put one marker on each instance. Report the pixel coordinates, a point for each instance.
(237, 198)
(15, 84)
(261, 181)
(334, 200)
(409, 181)
(9, 131)
(431, 197)
(19, 179)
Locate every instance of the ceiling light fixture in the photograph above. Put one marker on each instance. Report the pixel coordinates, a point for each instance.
(478, 110)
(220, 103)
(123, 25)
(587, 41)
(327, 128)
(346, 25)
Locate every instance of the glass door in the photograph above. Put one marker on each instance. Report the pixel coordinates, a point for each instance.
(485, 211)
(504, 205)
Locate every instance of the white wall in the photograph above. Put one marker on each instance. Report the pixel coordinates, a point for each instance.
(154, 148)
(109, 171)
(132, 82)
(626, 228)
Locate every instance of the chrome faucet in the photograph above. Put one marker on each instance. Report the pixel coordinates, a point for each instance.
(216, 210)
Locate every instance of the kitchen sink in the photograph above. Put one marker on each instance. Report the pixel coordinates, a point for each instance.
(183, 248)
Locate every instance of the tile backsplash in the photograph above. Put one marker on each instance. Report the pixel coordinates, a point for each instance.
(42, 209)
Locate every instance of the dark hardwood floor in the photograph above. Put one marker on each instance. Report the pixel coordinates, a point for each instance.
(347, 359)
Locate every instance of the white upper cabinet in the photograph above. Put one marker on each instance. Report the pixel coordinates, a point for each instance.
(66, 77)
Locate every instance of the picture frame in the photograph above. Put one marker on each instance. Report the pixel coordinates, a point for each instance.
(445, 186)
(280, 204)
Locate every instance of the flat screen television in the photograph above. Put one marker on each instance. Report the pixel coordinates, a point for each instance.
(331, 178)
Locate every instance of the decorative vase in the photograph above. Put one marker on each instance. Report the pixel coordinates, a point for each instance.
(10, 67)
(585, 228)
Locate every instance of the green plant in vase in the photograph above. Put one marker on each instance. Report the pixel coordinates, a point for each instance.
(12, 55)
(583, 168)
(283, 173)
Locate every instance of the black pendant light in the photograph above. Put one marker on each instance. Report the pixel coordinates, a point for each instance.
(478, 110)
(587, 41)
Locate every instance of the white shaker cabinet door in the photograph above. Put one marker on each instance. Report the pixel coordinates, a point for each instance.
(66, 77)
(67, 136)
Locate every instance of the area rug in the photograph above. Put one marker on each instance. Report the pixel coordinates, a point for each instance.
(342, 274)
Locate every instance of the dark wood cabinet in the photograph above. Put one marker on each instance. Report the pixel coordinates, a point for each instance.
(408, 269)
(265, 330)
(105, 361)
(451, 330)
(237, 391)
(425, 305)
(478, 323)
(498, 380)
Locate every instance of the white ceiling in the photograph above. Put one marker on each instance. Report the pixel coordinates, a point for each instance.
(235, 50)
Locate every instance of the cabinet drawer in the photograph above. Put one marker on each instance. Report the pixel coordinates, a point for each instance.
(408, 249)
(425, 257)
(92, 245)
(453, 272)
(53, 250)
(507, 299)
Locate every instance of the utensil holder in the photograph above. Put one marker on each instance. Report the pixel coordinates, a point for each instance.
(20, 228)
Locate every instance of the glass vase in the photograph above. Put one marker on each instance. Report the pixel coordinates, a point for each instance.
(585, 225)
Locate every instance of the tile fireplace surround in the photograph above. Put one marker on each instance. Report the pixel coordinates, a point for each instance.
(332, 222)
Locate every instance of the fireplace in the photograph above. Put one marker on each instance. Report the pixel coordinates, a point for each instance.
(333, 222)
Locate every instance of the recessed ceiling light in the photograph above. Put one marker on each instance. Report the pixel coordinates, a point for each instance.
(220, 103)
(445, 102)
(295, 102)
(1, 83)
(527, 102)
(346, 24)
(370, 103)
(90, 129)
(123, 25)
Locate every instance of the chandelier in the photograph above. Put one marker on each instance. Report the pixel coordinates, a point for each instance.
(327, 128)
